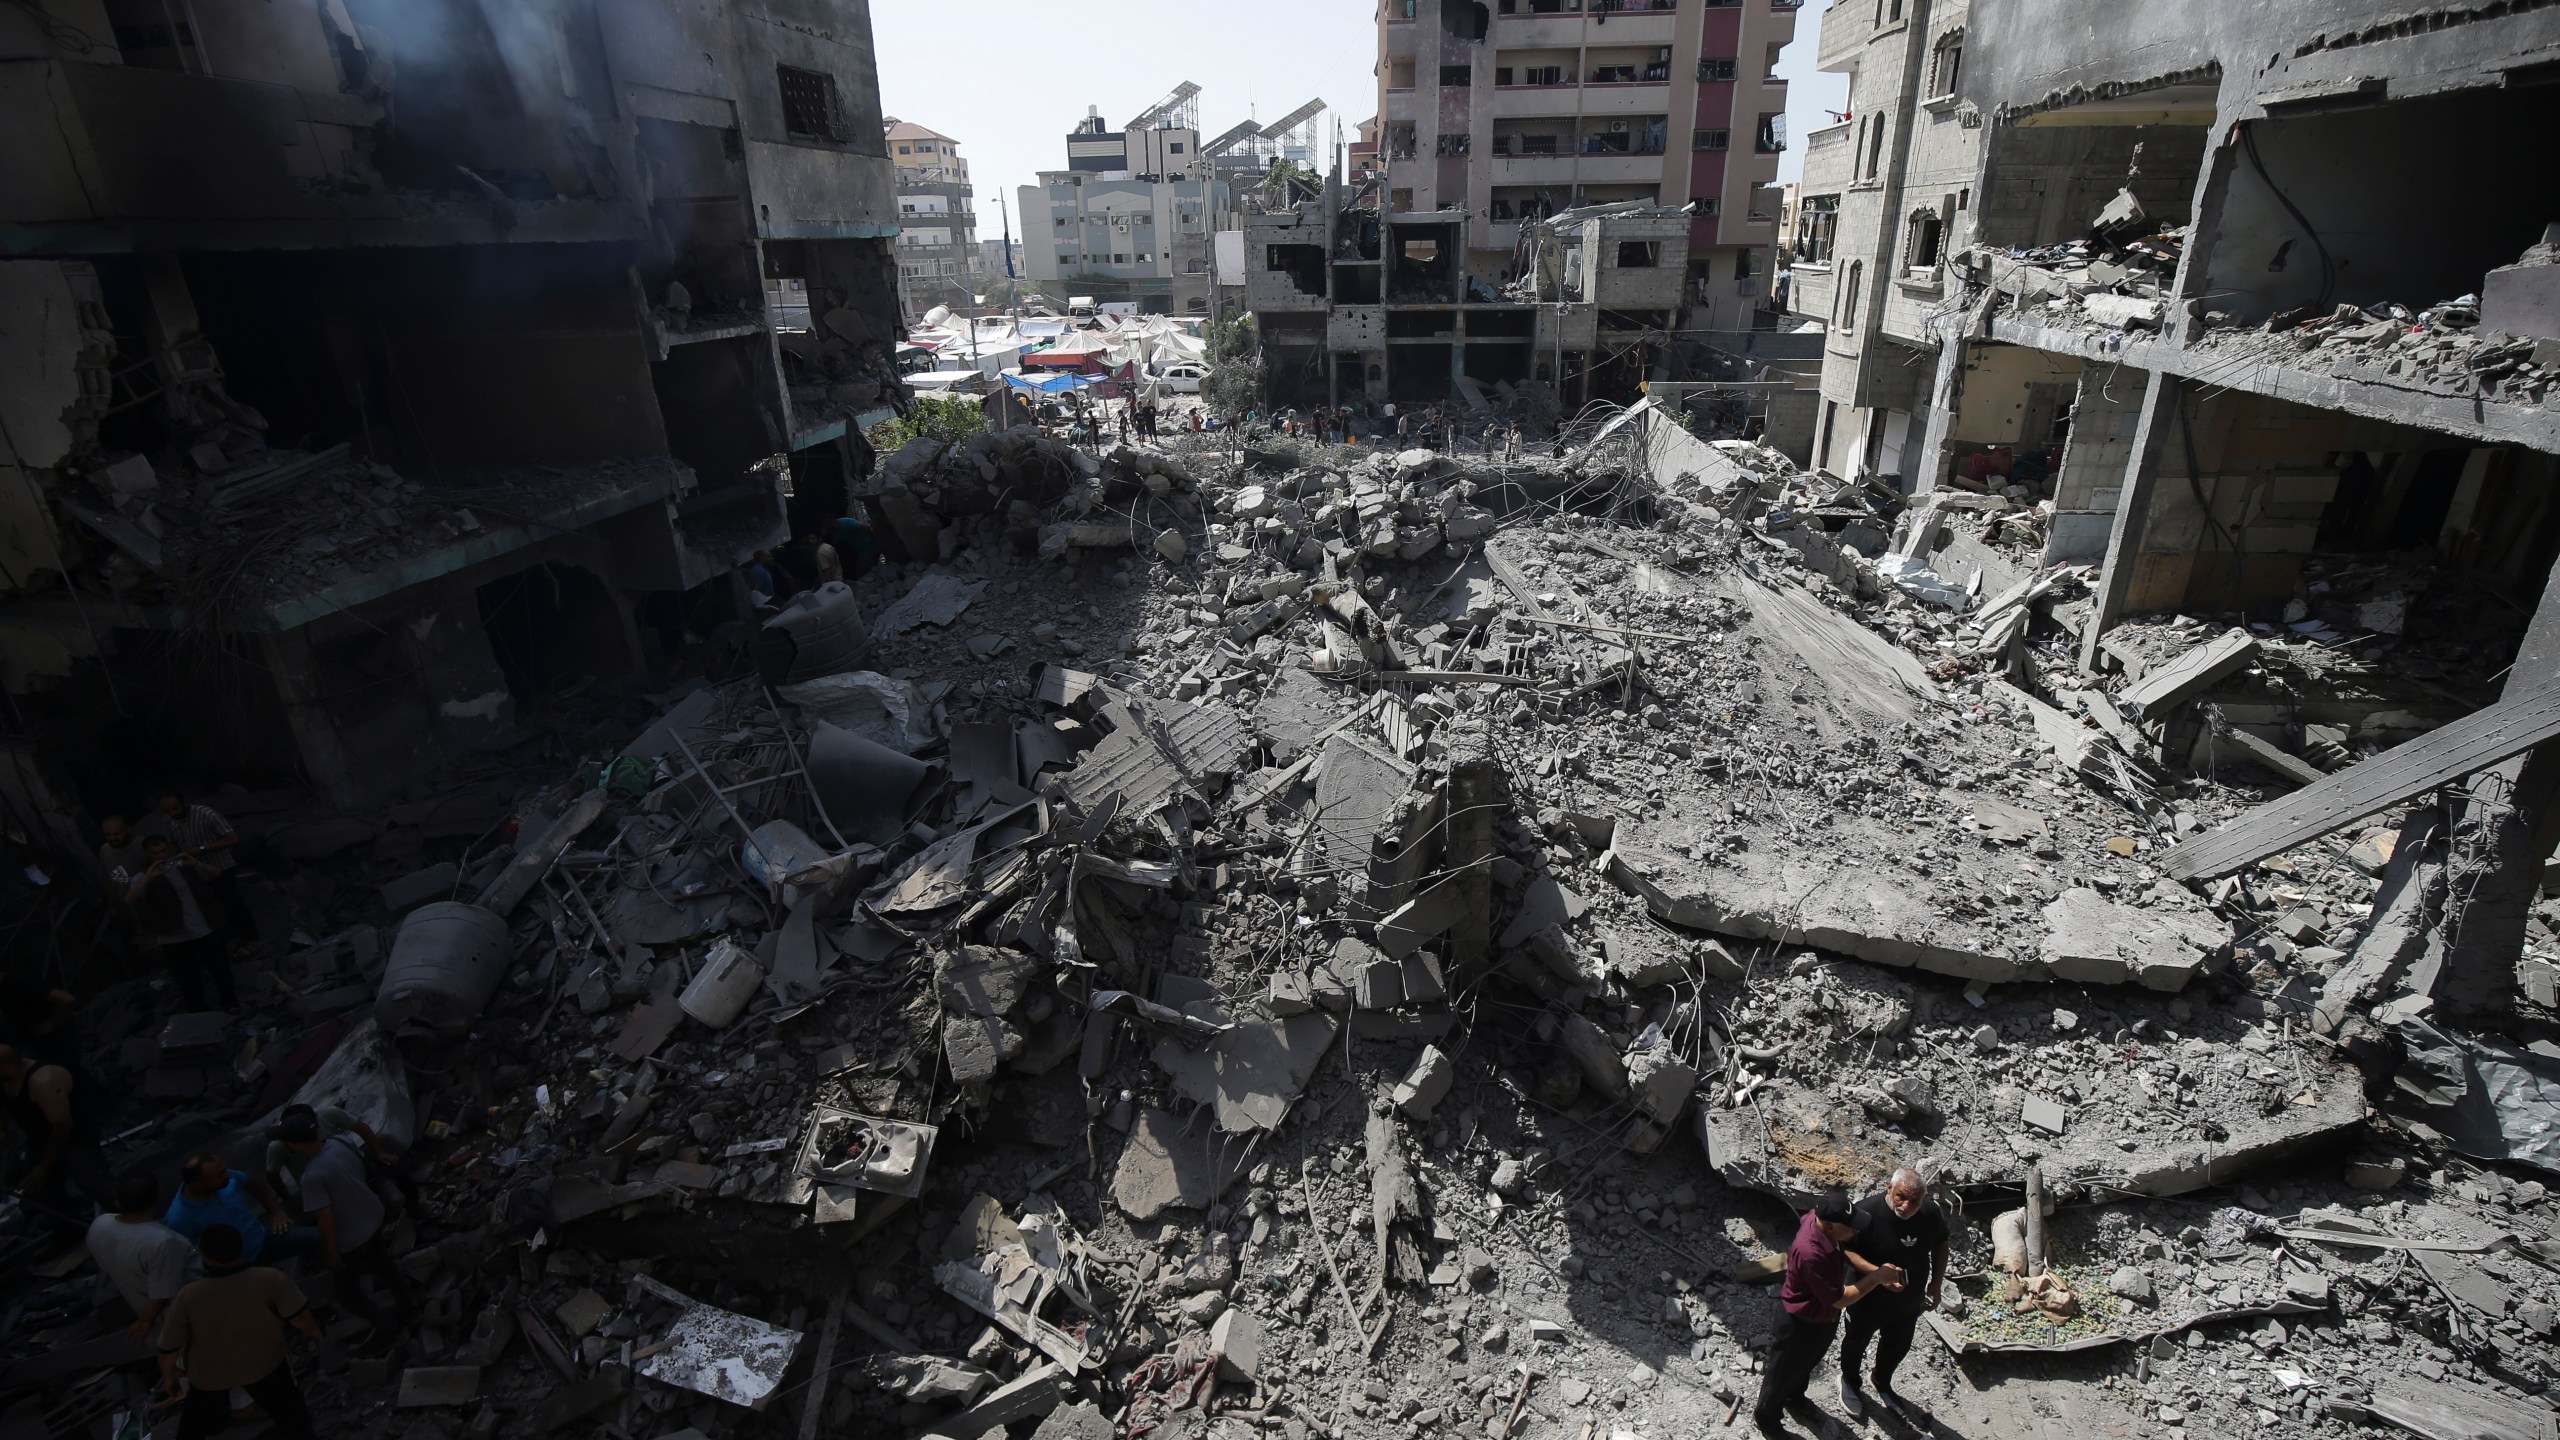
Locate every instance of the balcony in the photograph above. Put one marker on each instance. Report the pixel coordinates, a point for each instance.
(1809, 292)
(1529, 102)
(1617, 27)
(1826, 159)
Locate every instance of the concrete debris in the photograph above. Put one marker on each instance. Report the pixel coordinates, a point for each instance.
(1328, 913)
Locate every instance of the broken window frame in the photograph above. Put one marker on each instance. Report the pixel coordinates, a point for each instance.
(812, 106)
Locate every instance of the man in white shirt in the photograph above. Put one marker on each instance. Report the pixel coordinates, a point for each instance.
(146, 1259)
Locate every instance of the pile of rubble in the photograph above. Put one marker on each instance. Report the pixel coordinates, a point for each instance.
(2115, 278)
(2441, 350)
(1352, 944)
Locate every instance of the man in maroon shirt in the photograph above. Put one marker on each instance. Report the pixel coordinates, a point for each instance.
(1815, 1291)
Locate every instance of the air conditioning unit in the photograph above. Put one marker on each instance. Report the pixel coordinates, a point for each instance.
(1617, 127)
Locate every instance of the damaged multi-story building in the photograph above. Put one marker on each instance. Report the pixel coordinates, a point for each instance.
(375, 371)
(2250, 312)
(1662, 122)
(939, 262)
(1131, 216)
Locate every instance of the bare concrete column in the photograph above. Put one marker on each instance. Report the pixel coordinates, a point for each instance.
(2133, 516)
(2510, 818)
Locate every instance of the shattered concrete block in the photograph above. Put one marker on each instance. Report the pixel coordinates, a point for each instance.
(1081, 1421)
(1291, 994)
(1035, 1394)
(1380, 985)
(582, 1312)
(1167, 1162)
(1593, 1050)
(1421, 979)
(1544, 905)
(1237, 1342)
(2375, 1175)
(1641, 964)
(425, 1385)
(1425, 917)
(1720, 962)
(2044, 1114)
(983, 980)
(932, 1379)
(1662, 1084)
(976, 1046)
(1423, 1087)
(2094, 940)
(2132, 1284)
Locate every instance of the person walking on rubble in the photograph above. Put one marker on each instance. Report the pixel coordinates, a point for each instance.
(337, 1194)
(1511, 442)
(1902, 1228)
(57, 1122)
(828, 560)
(203, 834)
(1492, 437)
(173, 900)
(1816, 1289)
(227, 1330)
(1404, 431)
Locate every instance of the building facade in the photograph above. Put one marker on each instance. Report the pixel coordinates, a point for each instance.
(2250, 310)
(375, 375)
(1131, 215)
(1516, 109)
(938, 257)
(1885, 201)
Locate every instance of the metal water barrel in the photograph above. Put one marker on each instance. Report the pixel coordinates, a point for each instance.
(818, 632)
(445, 964)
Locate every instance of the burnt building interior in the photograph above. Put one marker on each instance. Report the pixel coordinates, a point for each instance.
(364, 352)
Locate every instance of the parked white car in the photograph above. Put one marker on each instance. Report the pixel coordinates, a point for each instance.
(1182, 379)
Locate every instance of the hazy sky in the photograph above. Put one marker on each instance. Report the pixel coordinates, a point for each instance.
(1008, 79)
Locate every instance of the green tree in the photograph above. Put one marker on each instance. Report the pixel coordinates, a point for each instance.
(1234, 384)
(948, 418)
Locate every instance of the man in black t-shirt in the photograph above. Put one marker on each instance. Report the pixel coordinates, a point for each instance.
(1900, 1227)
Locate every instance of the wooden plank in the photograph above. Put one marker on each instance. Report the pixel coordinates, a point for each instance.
(2103, 710)
(2265, 756)
(2169, 686)
(2074, 744)
(526, 871)
(2474, 742)
(813, 1402)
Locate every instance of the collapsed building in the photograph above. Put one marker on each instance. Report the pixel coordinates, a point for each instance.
(1262, 937)
(1334, 940)
(380, 371)
(2151, 302)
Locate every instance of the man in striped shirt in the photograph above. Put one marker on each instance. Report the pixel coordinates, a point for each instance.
(200, 831)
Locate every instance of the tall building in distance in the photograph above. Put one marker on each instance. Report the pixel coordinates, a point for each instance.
(938, 258)
(1131, 215)
(1518, 109)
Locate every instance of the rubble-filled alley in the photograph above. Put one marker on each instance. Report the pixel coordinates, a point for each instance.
(755, 901)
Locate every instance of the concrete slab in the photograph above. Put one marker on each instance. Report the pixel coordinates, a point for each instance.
(1793, 893)
(1169, 1163)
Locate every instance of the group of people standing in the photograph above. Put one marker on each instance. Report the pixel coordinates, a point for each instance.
(200, 1270)
(1428, 427)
